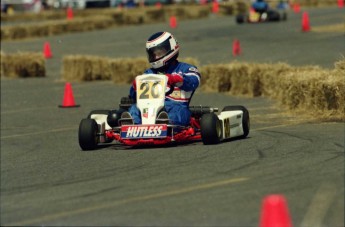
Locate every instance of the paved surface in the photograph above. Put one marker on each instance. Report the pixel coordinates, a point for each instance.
(47, 180)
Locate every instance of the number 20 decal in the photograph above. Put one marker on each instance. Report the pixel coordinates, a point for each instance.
(151, 90)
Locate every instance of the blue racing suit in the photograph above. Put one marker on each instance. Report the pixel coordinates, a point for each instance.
(176, 104)
(260, 6)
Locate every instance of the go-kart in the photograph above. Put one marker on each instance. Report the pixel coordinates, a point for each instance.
(265, 16)
(106, 126)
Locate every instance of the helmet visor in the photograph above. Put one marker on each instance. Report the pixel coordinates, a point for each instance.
(157, 52)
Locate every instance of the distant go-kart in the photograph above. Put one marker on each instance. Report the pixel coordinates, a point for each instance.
(106, 126)
(258, 17)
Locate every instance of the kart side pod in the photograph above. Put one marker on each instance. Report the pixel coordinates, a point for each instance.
(232, 122)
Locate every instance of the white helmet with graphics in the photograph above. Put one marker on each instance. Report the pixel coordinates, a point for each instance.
(162, 49)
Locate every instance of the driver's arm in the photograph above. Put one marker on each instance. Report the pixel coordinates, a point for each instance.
(191, 79)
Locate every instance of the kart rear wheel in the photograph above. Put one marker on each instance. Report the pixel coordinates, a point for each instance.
(245, 119)
(273, 15)
(88, 138)
(240, 18)
(211, 130)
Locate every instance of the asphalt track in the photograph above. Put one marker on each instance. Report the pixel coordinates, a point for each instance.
(47, 180)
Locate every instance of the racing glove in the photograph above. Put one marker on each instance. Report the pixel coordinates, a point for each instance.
(175, 79)
(134, 84)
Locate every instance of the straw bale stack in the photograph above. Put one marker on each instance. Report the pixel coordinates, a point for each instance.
(196, 12)
(88, 68)
(315, 91)
(154, 15)
(126, 69)
(85, 68)
(121, 70)
(55, 27)
(24, 64)
(29, 16)
(96, 19)
(134, 17)
(216, 78)
(313, 2)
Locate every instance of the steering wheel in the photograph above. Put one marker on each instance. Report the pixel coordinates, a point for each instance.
(171, 90)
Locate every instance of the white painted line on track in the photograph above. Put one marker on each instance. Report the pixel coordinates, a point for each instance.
(178, 191)
(39, 133)
(319, 205)
(27, 110)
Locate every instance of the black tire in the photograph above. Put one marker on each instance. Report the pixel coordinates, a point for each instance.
(88, 138)
(126, 103)
(114, 116)
(240, 18)
(273, 15)
(211, 130)
(104, 112)
(245, 119)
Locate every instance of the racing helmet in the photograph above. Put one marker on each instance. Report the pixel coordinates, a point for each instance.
(162, 49)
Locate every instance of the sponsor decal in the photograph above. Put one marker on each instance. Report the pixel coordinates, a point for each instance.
(234, 125)
(146, 113)
(193, 69)
(143, 131)
(176, 94)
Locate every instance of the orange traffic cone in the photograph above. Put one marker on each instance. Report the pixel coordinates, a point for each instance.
(215, 6)
(236, 47)
(47, 53)
(305, 22)
(69, 13)
(341, 3)
(203, 2)
(274, 212)
(173, 22)
(158, 5)
(68, 99)
(296, 8)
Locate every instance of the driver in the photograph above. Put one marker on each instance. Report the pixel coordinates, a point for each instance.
(162, 52)
(260, 6)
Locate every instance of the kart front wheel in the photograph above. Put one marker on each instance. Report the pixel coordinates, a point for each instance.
(211, 130)
(88, 138)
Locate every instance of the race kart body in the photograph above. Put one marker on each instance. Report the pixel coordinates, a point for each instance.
(106, 126)
(257, 17)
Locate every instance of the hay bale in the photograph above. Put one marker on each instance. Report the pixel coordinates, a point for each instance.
(196, 12)
(134, 17)
(23, 64)
(236, 78)
(215, 78)
(55, 27)
(85, 68)
(190, 60)
(314, 3)
(154, 15)
(88, 68)
(120, 70)
(175, 10)
(316, 92)
(126, 69)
